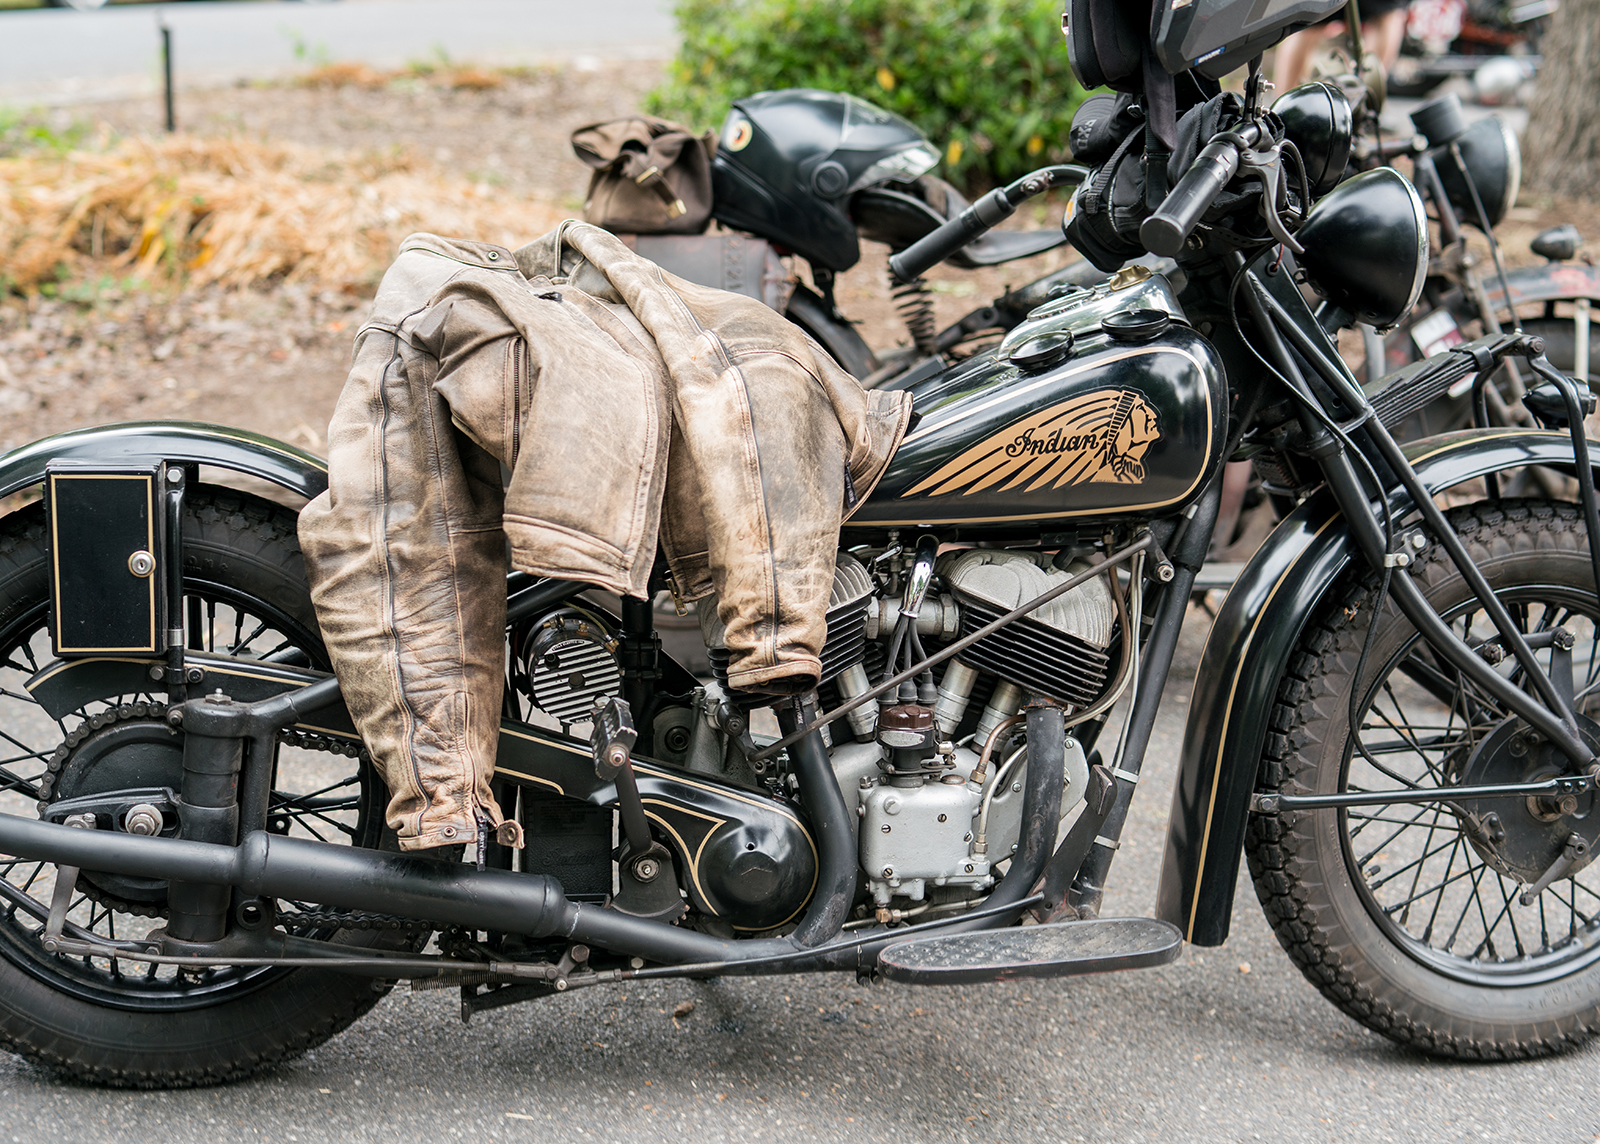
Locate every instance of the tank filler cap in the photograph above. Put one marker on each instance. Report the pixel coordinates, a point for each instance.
(1137, 325)
(1042, 351)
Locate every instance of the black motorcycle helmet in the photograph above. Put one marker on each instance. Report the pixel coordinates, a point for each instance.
(788, 161)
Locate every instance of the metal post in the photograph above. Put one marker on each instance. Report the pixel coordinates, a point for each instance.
(166, 70)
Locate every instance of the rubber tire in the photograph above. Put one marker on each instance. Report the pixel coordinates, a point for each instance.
(249, 544)
(1297, 862)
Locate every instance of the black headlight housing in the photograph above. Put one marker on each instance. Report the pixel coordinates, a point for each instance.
(1491, 156)
(1366, 246)
(1318, 120)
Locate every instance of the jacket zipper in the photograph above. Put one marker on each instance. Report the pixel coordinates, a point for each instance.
(519, 350)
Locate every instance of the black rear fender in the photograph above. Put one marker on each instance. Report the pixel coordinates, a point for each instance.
(183, 442)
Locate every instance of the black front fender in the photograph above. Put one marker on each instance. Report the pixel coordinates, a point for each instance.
(1245, 655)
(185, 442)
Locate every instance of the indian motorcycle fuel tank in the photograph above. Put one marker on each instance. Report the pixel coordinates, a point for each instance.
(1102, 403)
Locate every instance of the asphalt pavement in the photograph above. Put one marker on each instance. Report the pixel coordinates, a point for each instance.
(1224, 1045)
(59, 55)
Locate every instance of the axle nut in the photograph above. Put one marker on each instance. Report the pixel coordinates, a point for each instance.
(143, 819)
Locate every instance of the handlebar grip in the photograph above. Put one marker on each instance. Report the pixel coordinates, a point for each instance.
(940, 243)
(1164, 231)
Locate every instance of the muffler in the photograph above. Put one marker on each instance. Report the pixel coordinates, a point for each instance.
(373, 881)
(268, 865)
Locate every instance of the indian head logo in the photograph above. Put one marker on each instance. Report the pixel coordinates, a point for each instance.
(1100, 436)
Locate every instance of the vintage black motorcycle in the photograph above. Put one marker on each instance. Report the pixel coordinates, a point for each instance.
(1393, 719)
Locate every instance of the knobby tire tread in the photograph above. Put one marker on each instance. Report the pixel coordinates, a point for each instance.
(235, 535)
(1312, 700)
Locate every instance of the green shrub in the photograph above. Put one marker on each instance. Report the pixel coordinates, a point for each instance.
(987, 80)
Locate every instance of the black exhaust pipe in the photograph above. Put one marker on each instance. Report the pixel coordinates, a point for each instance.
(443, 893)
(274, 866)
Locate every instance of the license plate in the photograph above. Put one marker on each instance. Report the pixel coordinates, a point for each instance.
(1436, 333)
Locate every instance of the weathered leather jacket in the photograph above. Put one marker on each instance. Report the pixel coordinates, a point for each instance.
(631, 408)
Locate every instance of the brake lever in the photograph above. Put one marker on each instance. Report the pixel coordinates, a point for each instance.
(1268, 166)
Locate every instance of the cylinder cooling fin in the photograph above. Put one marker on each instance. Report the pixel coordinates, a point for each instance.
(1062, 650)
(848, 603)
(571, 660)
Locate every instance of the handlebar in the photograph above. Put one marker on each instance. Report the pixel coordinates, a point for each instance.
(1165, 231)
(1000, 203)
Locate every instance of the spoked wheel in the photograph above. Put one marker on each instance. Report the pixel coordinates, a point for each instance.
(115, 1020)
(1410, 917)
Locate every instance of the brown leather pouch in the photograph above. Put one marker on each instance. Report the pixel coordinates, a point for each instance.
(651, 176)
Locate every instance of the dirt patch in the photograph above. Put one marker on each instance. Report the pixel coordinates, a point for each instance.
(273, 357)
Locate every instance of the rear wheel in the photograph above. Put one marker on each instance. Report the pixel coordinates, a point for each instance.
(1409, 916)
(117, 1021)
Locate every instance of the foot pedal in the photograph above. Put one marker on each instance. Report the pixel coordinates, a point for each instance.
(1061, 949)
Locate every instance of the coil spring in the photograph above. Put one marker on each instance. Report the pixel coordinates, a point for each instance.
(914, 301)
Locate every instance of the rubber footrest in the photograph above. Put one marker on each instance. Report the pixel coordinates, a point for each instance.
(1060, 949)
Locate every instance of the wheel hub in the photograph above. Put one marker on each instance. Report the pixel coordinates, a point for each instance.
(1521, 836)
(128, 750)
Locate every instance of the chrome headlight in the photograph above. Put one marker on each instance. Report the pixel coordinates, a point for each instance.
(1366, 246)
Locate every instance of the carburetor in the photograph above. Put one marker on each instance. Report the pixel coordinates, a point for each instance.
(916, 820)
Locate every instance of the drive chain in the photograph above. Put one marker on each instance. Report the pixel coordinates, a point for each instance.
(289, 737)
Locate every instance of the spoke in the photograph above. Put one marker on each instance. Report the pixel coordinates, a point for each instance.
(1437, 888)
(1584, 888)
(281, 798)
(1407, 783)
(1487, 944)
(28, 788)
(1361, 864)
(1426, 842)
(1477, 879)
(301, 816)
(1405, 732)
(234, 648)
(1393, 874)
(29, 752)
(1577, 914)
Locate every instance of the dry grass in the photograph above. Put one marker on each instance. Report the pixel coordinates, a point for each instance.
(193, 210)
(457, 77)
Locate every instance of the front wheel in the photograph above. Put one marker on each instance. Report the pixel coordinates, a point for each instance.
(118, 1021)
(1409, 916)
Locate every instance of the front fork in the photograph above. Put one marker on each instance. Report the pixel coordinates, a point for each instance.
(1545, 708)
(1187, 552)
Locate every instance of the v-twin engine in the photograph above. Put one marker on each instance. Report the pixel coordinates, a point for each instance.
(932, 823)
